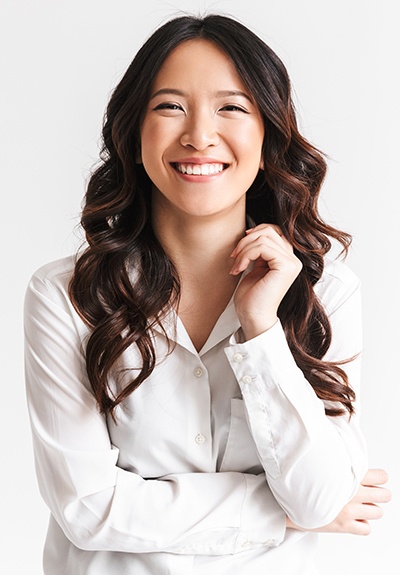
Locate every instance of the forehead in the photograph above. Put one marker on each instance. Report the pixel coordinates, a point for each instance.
(199, 63)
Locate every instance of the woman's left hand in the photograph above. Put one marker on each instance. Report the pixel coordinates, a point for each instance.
(261, 291)
(355, 517)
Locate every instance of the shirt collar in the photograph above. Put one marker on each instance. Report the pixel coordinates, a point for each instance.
(226, 325)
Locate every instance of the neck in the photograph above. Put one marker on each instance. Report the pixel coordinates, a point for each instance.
(197, 245)
(200, 249)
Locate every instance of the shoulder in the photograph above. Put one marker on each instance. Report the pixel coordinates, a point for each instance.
(51, 281)
(337, 284)
(48, 312)
(56, 273)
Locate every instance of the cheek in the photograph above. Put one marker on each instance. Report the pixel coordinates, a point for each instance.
(158, 139)
(250, 140)
(258, 137)
(153, 140)
(153, 145)
(148, 141)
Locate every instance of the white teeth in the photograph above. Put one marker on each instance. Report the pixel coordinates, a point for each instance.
(200, 169)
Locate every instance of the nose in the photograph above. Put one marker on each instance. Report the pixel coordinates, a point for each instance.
(200, 131)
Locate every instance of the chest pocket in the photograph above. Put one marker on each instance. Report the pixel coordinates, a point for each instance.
(240, 453)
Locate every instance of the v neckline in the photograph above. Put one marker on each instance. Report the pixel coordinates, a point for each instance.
(226, 324)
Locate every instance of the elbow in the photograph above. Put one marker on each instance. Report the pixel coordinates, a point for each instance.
(319, 507)
(80, 536)
(314, 497)
(82, 528)
(311, 519)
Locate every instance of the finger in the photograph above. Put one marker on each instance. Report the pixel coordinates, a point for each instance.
(262, 250)
(361, 527)
(360, 512)
(348, 525)
(269, 231)
(260, 247)
(370, 512)
(372, 494)
(375, 477)
(255, 253)
(264, 227)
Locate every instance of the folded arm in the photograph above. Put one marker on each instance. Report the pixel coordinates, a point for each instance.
(313, 463)
(99, 505)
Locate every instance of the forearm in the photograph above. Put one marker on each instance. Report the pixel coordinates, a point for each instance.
(313, 463)
(102, 507)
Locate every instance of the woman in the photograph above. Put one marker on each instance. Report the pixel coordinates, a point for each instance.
(192, 375)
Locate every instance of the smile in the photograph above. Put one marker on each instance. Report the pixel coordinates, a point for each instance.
(199, 169)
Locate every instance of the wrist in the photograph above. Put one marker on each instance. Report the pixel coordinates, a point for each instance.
(252, 328)
(291, 525)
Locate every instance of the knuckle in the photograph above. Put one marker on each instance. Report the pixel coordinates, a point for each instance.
(296, 264)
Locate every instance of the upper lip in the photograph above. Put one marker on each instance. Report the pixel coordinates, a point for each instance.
(197, 160)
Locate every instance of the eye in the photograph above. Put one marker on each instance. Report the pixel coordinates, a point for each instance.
(233, 108)
(169, 106)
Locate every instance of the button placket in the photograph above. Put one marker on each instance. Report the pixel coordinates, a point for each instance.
(199, 428)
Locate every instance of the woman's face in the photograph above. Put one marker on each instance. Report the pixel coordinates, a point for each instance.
(202, 133)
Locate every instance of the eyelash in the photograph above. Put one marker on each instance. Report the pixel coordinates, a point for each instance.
(174, 107)
(234, 108)
(168, 106)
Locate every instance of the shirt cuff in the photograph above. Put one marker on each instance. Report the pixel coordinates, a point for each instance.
(277, 397)
(268, 355)
(263, 524)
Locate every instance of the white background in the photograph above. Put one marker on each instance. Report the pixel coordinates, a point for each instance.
(59, 61)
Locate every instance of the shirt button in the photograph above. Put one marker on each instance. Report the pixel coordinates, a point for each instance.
(270, 542)
(198, 372)
(237, 357)
(247, 379)
(199, 439)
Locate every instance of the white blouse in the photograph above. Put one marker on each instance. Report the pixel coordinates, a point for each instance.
(206, 457)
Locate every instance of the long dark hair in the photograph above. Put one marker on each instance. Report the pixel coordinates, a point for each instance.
(122, 311)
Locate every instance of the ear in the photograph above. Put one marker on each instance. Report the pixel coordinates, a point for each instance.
(262, 163)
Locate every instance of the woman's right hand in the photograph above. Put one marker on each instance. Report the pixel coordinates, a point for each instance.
(356, 515)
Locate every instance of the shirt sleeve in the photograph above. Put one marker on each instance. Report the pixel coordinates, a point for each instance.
(99, 505)
(313, 463)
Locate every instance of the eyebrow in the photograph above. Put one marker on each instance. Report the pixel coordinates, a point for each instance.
(219, 94)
